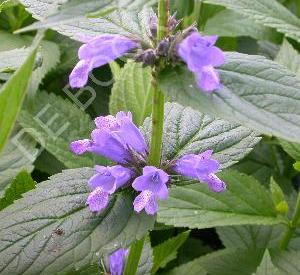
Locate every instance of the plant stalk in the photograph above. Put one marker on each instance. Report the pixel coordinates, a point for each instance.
(292, 226)
(158, 96)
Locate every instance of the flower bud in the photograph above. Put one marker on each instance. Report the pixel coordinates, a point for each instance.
(153, 22)
(147, 57)
(163, 48)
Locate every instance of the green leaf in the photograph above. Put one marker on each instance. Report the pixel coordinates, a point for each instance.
(245, 97)
(21, 184)
(167, 251)
(250, 236)
(12, 94)
(195, 206)
(260, 163)
(297, 165)
(225, 262)
(266, 266)
(234, 24)
(126, 22)
(188, 131)
(193, 268)
(18, 154)
(30, 242)
(133, 92)
(279, 200)
(134, 256)
(287, 261)
(13, 59)
(145, 263)
(56, 122)
(293, 149)
(289, 57)
(269, 13)
(14, 53)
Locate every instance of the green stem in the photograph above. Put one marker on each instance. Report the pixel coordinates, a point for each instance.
(158, 96)
(292, 226)
(134, 257)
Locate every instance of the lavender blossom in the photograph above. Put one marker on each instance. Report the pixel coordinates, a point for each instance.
(97, 52)
(152, 185)
(201, 56)
(98, 200)
(201, 167)
(115, 138)
(109, 179)
(117, 261)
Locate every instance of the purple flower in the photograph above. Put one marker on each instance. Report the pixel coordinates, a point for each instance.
(97, 52)
(98, 200)
(201, 167)
(201, 56)
(117, 261)
(153, 184)
(146, 200)
(114, 138)
(109, 179)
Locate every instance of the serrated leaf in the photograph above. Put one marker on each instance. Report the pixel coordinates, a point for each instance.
(48, 55)
(289, 57)
(250, 236)
(195, 206)
(266, 266)
(297, 165)
(18, 154)
(13, 59)
(188, 131)
(257, 93)
(30, 243)
(286, 261)
(123, 22)
(56, 122)
(266, 12)
(167, 251)
(145, 263)
(226, 262)
(12, 94)
(234, 24)
(21, 184)
(132, 91)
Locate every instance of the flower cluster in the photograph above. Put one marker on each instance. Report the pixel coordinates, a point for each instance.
(197, 51)
(118, 139)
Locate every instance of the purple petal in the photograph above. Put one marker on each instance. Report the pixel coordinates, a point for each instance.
(104, 179)
(104, 49)
(80, 74)
(121, 174)
(154, 180)
(146, 200)
(80, 146)
(132, 136)
(210, 39)
(208, 79)
(109, 146)
(97, 200)
(107, 122)
(186, 166)
(215, 184)
(117, 261)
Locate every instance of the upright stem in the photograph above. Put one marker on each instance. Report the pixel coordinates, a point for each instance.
(292, 226)
(158, 96)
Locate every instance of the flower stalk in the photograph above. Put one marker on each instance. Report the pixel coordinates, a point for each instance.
(158, 96)
(292, 226)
